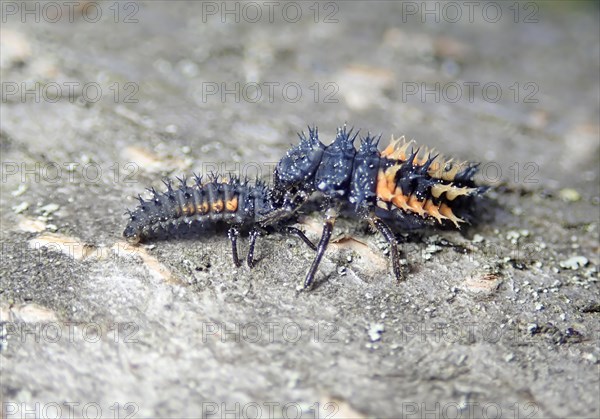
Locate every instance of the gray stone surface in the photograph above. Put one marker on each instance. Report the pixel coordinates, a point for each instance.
(501, 318)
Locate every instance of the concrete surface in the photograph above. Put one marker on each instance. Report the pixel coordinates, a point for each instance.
(498, 320)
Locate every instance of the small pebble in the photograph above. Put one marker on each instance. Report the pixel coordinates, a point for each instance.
(20, 190)
(513, 236)
(47, 209)
(23, 206)
(171, 129)
(375, 330)
(569, 195)
(432, 248)
(574, 263)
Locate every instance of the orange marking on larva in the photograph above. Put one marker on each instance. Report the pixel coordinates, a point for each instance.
(436, 191)
(391, 147)
(383, 205)
(400, 200)
(388, 150)
(436, 164)
(202, 208)
(420, 158)
(232, 204)
(400, 153)
(382, 190)
(190, 209)
(390, 175)
(453, 193)
(438, 173)
(432, 210)
(446, 211)
(396, 150)
(451, 170)
(416, 205)
(217, 206)
(424, 157)
(439, 188)
(433, 168)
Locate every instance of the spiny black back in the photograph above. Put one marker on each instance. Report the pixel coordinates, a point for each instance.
(300, 163)
(193, 208)
(340, 172)
(335, 169)
(364, 174)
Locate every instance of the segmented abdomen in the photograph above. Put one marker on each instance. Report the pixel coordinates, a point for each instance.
(425, 184)
(188, 209)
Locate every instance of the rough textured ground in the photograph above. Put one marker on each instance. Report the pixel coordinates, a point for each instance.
(498, 320)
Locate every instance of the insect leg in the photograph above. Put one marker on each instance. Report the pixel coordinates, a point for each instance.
(299, 233)
(330, 216)
(254, 233)
(391, 239)
(233, 234)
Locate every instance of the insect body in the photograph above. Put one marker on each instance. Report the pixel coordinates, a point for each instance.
(395, 189)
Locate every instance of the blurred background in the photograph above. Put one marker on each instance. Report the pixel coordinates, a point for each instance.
(102, 99)
(490, 81)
